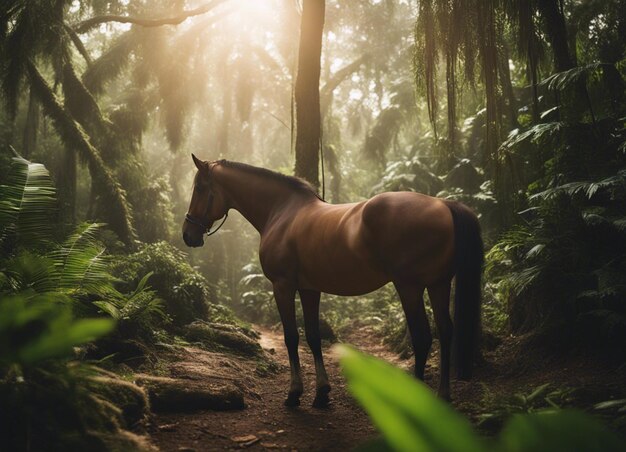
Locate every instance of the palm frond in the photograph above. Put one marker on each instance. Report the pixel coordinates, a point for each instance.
(536, 134)
(28, 205)
(588, 188)
(565, 79)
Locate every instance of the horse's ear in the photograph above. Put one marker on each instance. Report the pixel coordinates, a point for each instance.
(199, 163)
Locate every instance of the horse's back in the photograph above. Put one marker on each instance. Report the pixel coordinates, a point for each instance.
(356, 248)
(413, 234)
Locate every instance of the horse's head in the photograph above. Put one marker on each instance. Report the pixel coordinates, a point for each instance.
(207, 204)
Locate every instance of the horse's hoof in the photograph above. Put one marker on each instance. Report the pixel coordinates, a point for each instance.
(292, 400)
(321, 397)
(321, 400)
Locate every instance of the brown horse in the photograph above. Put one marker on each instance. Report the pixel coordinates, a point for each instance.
(415, 241)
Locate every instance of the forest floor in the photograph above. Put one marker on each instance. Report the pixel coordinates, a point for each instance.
(266, 423)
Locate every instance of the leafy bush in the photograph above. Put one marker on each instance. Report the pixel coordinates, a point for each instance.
(500, 409)
(411, 417)
(257, 298)
(560, 270)
(408, 175)
(564, 273)
(136, 313)
(182, 288)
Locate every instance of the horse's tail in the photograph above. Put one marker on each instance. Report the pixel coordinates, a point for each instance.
(468, 257)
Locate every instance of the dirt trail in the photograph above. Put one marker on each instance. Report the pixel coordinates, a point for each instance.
(266, 423)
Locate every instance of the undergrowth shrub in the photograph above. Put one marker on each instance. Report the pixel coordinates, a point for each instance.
(47, 288)
(182, 288)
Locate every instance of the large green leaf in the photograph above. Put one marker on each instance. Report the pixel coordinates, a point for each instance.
(406, 411)
(64, 335)
(34, 327)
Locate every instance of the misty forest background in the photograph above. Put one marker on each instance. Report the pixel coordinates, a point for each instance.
(516, 108)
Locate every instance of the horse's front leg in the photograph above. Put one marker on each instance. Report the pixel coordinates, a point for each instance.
(284, 293)
(311, 309)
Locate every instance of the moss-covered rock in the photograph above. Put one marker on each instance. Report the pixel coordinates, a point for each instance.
(58, 408)
(222, 337)
(131, 399)
(169, 394)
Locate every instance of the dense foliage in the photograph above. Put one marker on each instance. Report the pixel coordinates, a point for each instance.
(516, 108)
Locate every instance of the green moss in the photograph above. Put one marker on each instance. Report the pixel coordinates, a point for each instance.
(222, 338)
(57, 408)
(169, 394)
(128, 397)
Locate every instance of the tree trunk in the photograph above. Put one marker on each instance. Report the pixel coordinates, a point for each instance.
(66, 184)
(507, 85)
(448, 159)
(31, 128)
(222, 137)
(307, 94)
(556, 30)
(74, 137)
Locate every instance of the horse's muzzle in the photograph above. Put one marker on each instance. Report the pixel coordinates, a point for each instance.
(194, 242)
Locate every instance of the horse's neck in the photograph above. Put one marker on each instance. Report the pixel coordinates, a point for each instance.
(258, 199)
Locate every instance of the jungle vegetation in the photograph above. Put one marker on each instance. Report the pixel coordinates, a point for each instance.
(514, 107)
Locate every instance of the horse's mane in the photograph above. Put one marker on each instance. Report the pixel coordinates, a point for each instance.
(296, 183)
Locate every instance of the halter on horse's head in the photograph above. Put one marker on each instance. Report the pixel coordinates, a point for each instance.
(205, 206)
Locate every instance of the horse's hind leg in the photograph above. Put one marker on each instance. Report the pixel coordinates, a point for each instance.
(311, 309)
(284, 294)
(440, 300)
(411, 296)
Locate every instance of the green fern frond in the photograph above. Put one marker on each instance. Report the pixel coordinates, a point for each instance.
(81, 263)
(28, 272)
(86, 269)
(523, 279)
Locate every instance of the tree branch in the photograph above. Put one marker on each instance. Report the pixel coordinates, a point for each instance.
(77, 43)
(326, 91)
(74, 136)
(88, 24)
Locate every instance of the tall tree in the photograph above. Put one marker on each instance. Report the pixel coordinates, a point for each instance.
(554, 17)
(307, 93)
